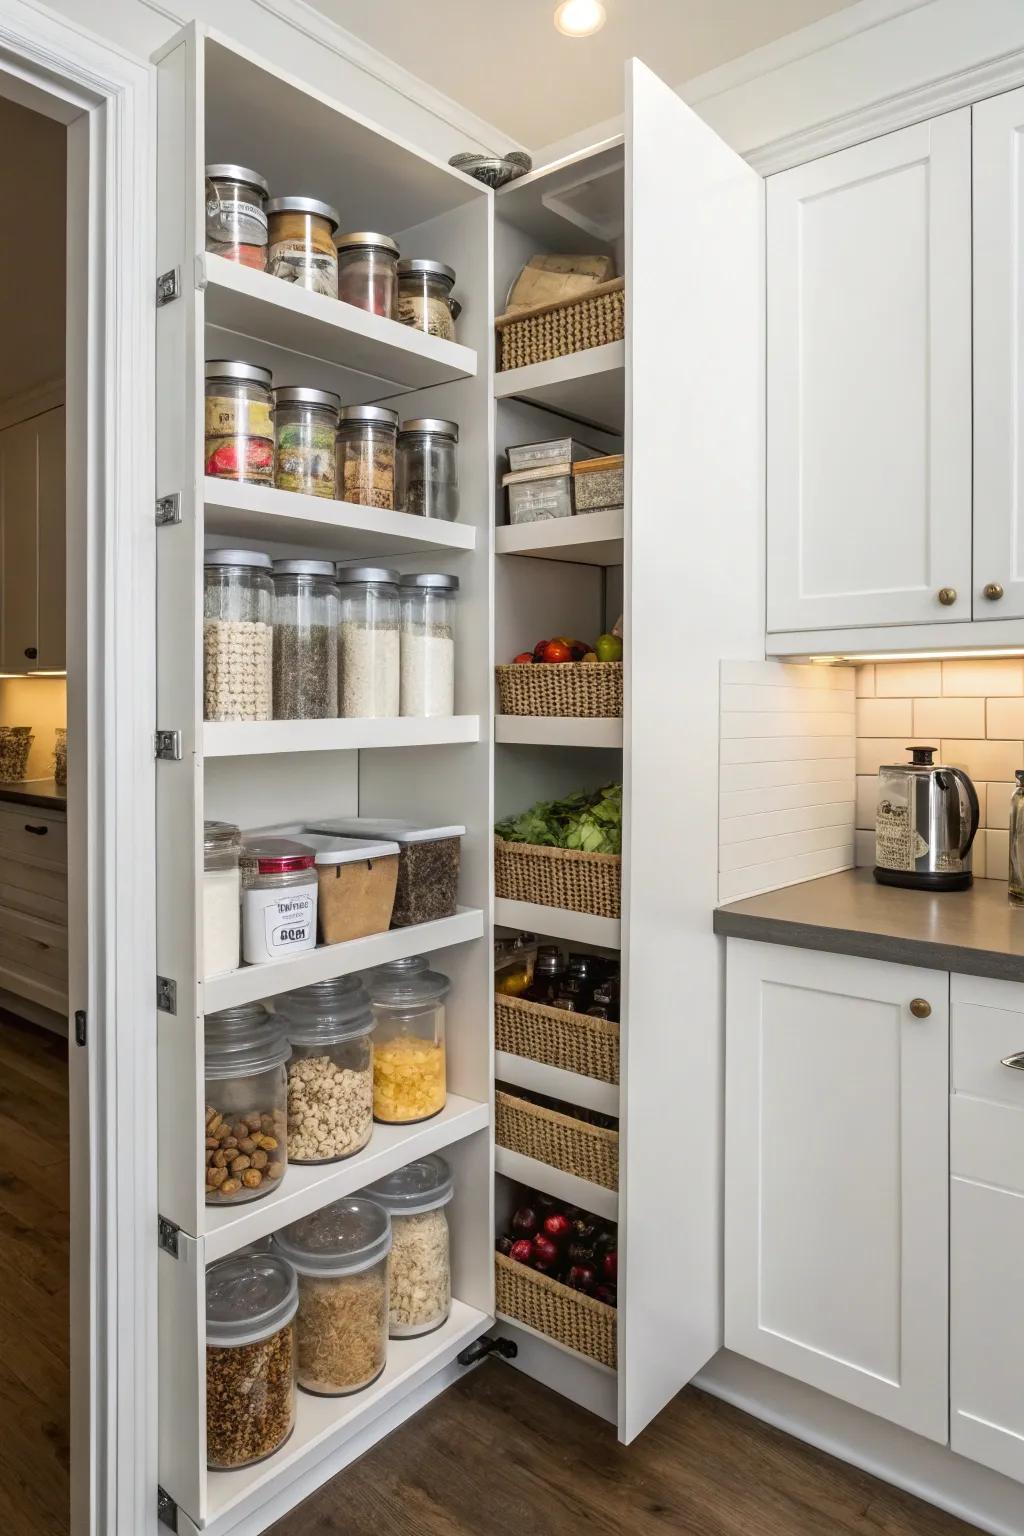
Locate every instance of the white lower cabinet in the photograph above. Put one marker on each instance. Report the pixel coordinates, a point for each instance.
(836, 1227)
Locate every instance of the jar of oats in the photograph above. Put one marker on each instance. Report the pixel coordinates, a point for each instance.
(341, 1256)
(330, 1074)
(420, 1281)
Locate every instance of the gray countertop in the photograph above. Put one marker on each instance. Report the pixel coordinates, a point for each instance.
(975, 932)
(45, 794)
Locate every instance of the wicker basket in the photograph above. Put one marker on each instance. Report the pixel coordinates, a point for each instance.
(567, 1316)
(588, 1151)
(537, 335)
(578, 690)
(574, 1042)
(559, 877)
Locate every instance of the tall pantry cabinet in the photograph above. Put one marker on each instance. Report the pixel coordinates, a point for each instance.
(684, 394)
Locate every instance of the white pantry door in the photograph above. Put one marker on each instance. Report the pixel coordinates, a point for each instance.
(693, 585)
(869, 383)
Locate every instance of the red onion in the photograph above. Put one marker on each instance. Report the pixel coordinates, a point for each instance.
(545, 1250)
(557, 1226)
(610, 1265)
(581, 1277)
(522, 1251)
(525, 1221)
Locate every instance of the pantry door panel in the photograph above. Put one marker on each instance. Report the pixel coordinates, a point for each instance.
(19, 493)
(693, 594)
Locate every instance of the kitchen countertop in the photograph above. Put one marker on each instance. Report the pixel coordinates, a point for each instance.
(46, 794)
(975, 932)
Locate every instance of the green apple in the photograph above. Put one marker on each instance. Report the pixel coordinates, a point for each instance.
(608, 648)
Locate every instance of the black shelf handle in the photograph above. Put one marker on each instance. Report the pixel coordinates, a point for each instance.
(31, 651)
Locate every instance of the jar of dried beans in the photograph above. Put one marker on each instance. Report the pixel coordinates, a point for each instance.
(251, 1301)
(368, 642)
(330, 1073)
(368, 272)
(409, 1080)
(236, 214)
(301, 247)
(427, 468)
(305, 640)
(246, 1104)
(305, 433)
(425, 297)
(420, 1281)
(341, 1256)
(428, 644)
(367, 435)
(239, 441)
(238, 635)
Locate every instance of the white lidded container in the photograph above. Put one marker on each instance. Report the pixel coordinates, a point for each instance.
(251, 1301)
(221, 919)
(420, 1280)
(428, 864)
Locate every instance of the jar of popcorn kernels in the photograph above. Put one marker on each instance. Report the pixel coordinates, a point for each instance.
(409, 1040)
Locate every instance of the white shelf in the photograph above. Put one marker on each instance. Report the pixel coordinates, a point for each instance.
(252, 983)
(589, 386)
(340, 528)
(571, 1087)
(307, 1188)
(557, 923)
(556, 731)
(591, 538)
(254, 738)
(563, 1186)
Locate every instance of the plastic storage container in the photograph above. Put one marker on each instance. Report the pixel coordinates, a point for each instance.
(330, 1073)
(222, 934)
(599, 483)
(251, 1300)
(369, 645)
(357, 879)
(409, 1081)
(341, 1256)
(305, 440)
(420, 1279)
(239, 429)
(246, 1104)
(534, 495)
(427, 468)
(305, 640)
(301, 243)
(238, 635)
(425, 297)
(368, 272)
(428, 864)
(236, 214)
(428, 644)
(557, 450)
(279, 900)
(367, 435)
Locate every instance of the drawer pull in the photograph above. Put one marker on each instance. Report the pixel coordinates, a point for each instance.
(1016, 1061)
(921, 1008)
(36, 830)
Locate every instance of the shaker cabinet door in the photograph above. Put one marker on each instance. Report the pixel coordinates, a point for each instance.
(32, 529)
(869, 383)
(836, 1193)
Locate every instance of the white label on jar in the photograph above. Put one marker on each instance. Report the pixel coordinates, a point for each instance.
(278, 922)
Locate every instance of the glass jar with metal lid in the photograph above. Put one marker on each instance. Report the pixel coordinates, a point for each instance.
(368, 642)
(239, 431)
(330, 1075)
(251, 1301)
(305, 640)
(419, 1273)
(409, 1081)
(236, 214)
(238, 635)
(221, 920)
(366, 455)
(427, 468)
(301, 248)
(305, 434)
(279, 900)
(428, 644)
(341, 1256)
(368, 272)
(425, 297)
(246, 1104)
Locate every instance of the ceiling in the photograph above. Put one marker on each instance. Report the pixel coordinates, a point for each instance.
(504, 60)
(32, 265)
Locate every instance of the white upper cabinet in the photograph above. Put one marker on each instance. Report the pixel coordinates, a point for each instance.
(869, 383)
(32, 523)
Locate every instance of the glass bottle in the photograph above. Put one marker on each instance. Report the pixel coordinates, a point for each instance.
(577, 989)
(548, 973)
(1016, 891)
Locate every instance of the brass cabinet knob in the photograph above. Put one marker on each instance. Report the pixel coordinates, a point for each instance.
(993, 591)
(947, 596)
(921, 1008)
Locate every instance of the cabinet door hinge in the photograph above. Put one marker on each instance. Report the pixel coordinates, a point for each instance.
(81, 1027)
(167, 746)
(167, 1236)
(166, 994)
(168, 287)
(166, 1509)
(168, 510)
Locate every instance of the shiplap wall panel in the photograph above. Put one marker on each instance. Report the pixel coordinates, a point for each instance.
(787, 775)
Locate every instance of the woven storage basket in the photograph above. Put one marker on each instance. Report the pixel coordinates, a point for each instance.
(567, 1316)
(559, 877)
(579, 690)
(537, 335)
(546, 1135)
(575, 1042)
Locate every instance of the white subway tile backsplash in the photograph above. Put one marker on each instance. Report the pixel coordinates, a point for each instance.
(997, 855)
(1001, 676)
(1004, 717)
(961, 718)
(984, 759)
(997, 807)
(908, 679)
(885, 717)
(873, 751)
(866, 680)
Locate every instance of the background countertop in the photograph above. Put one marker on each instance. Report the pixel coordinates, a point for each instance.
(46, 794)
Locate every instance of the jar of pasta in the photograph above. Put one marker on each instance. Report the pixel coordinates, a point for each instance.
(409, 1040)
(236, 214)
(239, 442)
(367, 437)
(420, 1279)
(425, 297)
(301, 244)
(305, 432)
(368, 272)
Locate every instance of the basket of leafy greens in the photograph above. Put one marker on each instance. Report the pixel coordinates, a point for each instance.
(564, 853)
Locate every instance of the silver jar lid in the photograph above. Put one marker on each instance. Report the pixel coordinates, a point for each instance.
(434, 581)
(342, 1239)
(436, 424)
(326, 1011)
(242, 173)
(305, 568)
(417, 266)
(245, 373)
(406, 983)
(310, 205)
(348, 574)
(381, 415)
(243, 1041)
(420, 1186)
(365, 237)
(300, 394)
(219, 836)
(250, 557)
(249, 1296)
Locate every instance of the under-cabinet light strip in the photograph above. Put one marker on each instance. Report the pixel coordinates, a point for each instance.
(963, 655)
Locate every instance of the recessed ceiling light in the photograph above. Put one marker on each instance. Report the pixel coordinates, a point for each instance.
(580, 18)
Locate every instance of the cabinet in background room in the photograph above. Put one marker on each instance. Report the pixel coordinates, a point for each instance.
(32, 529)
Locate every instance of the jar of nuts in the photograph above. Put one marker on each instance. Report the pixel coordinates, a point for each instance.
(246, 1104)
(330, 1073)
(251, 1300)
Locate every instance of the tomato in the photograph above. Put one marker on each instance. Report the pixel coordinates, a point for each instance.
(557, 650)
(524, 656)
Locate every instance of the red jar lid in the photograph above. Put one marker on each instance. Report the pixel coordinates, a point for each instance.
(279, 856)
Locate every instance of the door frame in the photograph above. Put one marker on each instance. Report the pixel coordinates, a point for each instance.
(105, 99)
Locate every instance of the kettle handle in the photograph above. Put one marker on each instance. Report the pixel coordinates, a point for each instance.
(973, 805)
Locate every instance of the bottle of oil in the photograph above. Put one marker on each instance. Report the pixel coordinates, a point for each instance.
(1017, 842)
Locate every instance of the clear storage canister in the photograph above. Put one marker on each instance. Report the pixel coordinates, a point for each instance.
(301, 243)
(236, 214)
(425, 297)
(221, 898)
(305, 640)
(367, 435)
(428, 644)
(420, 1270)
(239, 430)
(279, 900)
(246, 1104)
(341, 1255)
(368, 643)
(330, 1073)
(305, 440)
(368, 272)
(251, 1301)
(409, 1081)
(238, 635)
(427, 468)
